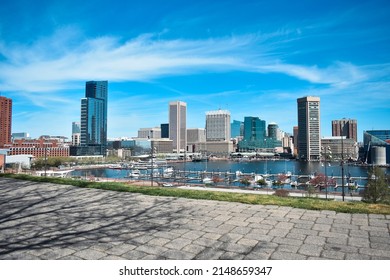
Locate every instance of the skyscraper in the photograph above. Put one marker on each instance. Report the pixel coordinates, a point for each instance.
(218, 125)
(5, 120)
(94, 118)
(237, 129)
(75, 127)
(254, 129)
(273, 130)
(164, 130)
(309, 142)
(345, 127)
(178, 125)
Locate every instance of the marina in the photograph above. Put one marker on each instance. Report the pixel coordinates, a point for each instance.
(261, 174)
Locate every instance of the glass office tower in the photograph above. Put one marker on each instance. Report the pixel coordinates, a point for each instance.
(94, 118)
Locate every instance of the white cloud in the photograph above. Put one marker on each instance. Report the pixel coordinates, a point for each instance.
(56, 63)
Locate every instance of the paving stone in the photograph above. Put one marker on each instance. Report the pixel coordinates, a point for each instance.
(178, 243)
(57, 254)
(257, 256)
(374, 252)
(359, 242)
(193, 248)
(278, 232)
(237, 248)
(120, 249)
(284, 225)
(288, 241)
(357, 257)
(331, 254)
(315, 240)
(152, 250)
(231, 256)
(310, 250)
(278, 255)
(112, 257)
(288, 248)
(337, 240)
(213, 236)
(209, 254)
(231, 237)
(247, 242)
(321, 227)
(159, 241)
(90, 254)
(134, 255)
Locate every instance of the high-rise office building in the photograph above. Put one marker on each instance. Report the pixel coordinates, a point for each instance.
(345, 127)
(254, 129)
(178, 125)
(164, 130)
(218, 125)
(237, 129)
(76, 127)
(309, 141)
(94, 118)
(273, 131)
(5, 120)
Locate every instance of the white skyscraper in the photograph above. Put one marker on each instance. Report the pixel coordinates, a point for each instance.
(218, 125)
(178, 125)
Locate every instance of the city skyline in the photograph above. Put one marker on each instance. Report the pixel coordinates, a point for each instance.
(252, 60)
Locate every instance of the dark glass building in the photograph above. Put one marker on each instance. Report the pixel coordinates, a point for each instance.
(94, 119)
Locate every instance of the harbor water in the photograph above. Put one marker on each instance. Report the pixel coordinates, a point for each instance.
(191, 172)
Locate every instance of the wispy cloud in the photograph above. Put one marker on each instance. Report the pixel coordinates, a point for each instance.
(58, 62)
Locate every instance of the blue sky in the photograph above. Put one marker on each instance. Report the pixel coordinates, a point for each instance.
(253, 58)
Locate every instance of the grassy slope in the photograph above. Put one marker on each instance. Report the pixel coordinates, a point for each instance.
(304, 203)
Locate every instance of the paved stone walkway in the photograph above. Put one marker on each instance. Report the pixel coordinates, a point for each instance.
(48, 221)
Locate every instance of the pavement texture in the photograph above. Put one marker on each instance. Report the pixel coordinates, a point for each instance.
(49, 221)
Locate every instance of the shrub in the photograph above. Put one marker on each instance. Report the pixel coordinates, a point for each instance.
(282, 193)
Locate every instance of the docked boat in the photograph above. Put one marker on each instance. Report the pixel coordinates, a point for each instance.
(135, 173)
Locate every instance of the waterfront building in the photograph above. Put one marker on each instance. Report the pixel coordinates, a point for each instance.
(178, 125)
(150, 133)
(195, 136)
(345, 127)
(340, 147)
(254, 129)
(255, 137)
(309, 142)
(215, 148)
(373, 139)
(5, 120)
(41, 147)
(94, 119)
(237, 129)
(162, 146)
(164, 130)
(218, 125)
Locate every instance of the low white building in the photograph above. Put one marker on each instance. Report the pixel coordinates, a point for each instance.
(22, 161)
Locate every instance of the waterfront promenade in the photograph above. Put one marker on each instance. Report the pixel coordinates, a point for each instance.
(49, 221)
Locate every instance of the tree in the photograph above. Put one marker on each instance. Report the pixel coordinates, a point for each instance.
(377, 190)
(245, 181)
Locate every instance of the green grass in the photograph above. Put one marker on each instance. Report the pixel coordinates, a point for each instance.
(295, 202)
